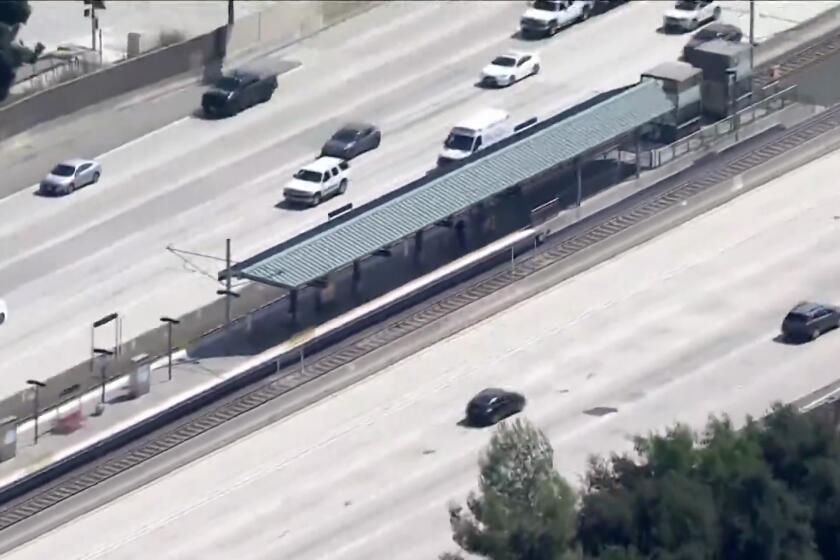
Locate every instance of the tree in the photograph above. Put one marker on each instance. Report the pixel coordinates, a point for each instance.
(13, 14)
(524, 510)
(767, 491)
(803, 452)
(653, 508)
(726, 494)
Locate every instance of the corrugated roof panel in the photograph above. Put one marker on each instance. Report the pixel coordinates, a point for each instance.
(336, 247)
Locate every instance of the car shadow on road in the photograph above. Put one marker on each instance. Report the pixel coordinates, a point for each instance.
(37, 192)
(480, 84)
(286, 205)
(782, 339)
(519, 36)
(662, 30)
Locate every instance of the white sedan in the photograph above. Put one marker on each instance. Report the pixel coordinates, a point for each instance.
(70, 175)
(509, 68)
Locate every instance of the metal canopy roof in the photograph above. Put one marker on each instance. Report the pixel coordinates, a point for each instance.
(295, 263)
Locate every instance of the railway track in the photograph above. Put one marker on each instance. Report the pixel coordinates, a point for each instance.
(554, 252)
(797, 61)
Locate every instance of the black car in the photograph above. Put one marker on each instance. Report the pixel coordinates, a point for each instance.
(237, 91)
(493, 405)
(809, 320)
(351, 140)
(715, 30)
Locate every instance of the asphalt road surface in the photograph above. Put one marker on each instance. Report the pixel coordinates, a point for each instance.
(675, 329)
(408, 67)
(58, 22)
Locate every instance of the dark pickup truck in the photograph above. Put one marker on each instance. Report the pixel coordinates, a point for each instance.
(237, 91)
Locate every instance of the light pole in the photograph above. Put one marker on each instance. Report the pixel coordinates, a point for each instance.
(102, 352)
(38, 385)
(169, 322)
(115, 317)
(230, 12)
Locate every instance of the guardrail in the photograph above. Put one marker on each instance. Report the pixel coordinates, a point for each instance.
(774, 100)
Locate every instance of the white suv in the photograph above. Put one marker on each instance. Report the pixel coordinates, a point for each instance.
(316, 181)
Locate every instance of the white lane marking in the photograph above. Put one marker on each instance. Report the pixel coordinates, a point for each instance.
(341, 110)
(398, 22)
(820, 400)
(254, 244)
(352, 71)
(267, 354)
(144, 137)
(418, 171)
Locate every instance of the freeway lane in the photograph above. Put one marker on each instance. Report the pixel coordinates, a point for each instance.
(675, 329)
(65, 262)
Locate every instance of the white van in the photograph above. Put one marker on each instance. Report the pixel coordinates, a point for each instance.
(483, 129)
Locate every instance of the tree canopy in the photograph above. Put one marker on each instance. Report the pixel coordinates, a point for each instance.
(769, 491)
(524, 507)
(13, 14)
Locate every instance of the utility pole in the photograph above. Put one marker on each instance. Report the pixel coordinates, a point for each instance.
(228, 291)
(94, 20)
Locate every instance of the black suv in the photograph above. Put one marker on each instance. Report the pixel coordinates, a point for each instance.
(809, 320)
(237, 91)
(492, 405)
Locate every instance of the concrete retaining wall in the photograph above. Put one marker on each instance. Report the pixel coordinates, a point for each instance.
(283, 23)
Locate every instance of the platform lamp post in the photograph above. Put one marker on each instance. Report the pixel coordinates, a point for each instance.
(102, 352)
(113, 317)
(38, 385)
(169, 322)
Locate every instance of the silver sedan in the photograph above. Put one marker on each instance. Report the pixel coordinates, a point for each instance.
(70, 175)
